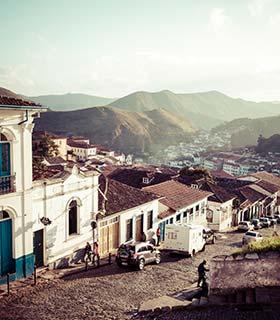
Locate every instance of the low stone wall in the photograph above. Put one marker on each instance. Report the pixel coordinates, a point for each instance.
(229, 274)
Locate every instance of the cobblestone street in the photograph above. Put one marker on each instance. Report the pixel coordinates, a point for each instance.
(112, 292)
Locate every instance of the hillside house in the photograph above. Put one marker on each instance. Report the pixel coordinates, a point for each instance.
(125, 213)
(179, 204)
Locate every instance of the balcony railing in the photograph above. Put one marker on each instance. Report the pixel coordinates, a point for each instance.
(7, 184)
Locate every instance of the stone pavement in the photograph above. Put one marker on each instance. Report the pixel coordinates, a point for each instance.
(179, 300)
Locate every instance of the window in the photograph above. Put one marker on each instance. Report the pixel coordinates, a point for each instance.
(73, 218)
(4, 156)
(4, 215)
(171, 220)
(129, 229)
(145, 180)
(178, 217)
(185, 214)
(197, 208)
(150, 220)
(191, 210)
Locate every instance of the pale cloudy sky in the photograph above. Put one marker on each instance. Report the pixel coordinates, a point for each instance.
(114, 47)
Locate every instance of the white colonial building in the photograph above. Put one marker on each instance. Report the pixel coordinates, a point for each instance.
(16, 233)
(46, 219)
(179, 203)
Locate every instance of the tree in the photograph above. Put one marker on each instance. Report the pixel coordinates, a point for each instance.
(47, 147)
(197, 173)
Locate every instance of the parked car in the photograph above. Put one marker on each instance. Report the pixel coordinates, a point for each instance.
(209, 236)
(277, 217)
(273, 221)
(265, 222)
(137, 254)
(256, 223)
(250, 236)
(245, 226)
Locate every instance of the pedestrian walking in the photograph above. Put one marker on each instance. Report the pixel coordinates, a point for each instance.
(202, 273)
(88, 251)
(158, 235)
(95, 252)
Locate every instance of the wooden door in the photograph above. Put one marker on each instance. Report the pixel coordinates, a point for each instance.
(139, 227)
(38, 247)
(109, 238)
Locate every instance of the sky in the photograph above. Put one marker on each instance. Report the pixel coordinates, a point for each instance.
(114, 47)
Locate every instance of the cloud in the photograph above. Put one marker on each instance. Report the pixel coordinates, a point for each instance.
(256, 7)
(218, 19)
(274, 21)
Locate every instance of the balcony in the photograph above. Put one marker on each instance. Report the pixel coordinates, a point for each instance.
(7, 184)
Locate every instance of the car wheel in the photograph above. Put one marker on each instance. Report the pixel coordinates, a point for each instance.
(193, 253)
(141, 264)
(158, 259)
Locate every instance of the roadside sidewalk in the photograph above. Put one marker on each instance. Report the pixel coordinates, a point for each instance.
(44, 275)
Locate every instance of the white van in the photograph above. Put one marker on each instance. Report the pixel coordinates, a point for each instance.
(184, 238)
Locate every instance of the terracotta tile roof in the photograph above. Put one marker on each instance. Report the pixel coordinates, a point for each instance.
(122, 197)
(134, 177)
(166, 213)
(219, 194)
(269, 177)
(270, 187)
(81, 145)
(247, 193)
(221, 174)
(176, 194)
(55, 160)
(9, 101)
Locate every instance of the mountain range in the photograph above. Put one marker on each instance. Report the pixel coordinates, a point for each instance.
(132, 117)
(70, 101)
(130, 132)
(245, 131)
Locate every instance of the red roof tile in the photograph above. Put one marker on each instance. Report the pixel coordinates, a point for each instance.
(9, 101)
(176, 194)
(269, 177)
(122, 197)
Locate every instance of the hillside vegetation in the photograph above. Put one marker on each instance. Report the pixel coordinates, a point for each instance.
(246, 131)
(205, 109)
(122, 130)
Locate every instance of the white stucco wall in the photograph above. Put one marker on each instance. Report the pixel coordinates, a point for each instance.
(52, 201)
(133, 213)
(19, 204)
(222, 215)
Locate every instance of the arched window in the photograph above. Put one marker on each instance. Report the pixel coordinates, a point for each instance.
(4, 215)
(73, 218)
(4, 156)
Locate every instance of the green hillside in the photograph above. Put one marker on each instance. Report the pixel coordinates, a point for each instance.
(122, 130)
(246, 131)
(209, 107)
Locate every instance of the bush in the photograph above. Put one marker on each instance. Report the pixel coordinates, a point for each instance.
(267, 244)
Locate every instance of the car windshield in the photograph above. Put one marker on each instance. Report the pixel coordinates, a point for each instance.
(127, 248)
(251, 234)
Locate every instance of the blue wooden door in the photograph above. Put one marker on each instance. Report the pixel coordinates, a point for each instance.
(5, 167)
(6, 247)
